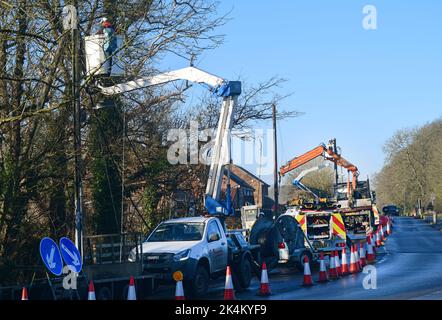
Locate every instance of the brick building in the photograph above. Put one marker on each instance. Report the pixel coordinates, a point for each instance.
(248, 189)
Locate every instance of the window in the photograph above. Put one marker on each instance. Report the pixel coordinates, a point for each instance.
(213, 228)
(177, 232)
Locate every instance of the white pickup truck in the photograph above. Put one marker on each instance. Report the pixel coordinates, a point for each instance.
(201, 249)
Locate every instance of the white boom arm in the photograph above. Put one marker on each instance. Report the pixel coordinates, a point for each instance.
(307, 171)
(297, 180)
(221, 152)
(190, 73)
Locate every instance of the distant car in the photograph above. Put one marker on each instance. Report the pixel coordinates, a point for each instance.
(391, 210)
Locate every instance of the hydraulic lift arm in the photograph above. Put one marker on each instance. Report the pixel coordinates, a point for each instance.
(217, 84)
(221, 151)
(297, 181)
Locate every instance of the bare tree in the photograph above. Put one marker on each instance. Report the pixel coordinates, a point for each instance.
(412, 170)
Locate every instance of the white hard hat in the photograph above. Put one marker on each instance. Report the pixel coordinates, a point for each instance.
(103, 19)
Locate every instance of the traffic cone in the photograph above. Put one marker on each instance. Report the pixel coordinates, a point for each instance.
(344, 266)
(388, 228)
(362, 257)
(371, 258)
(91, 291)
(228, 290)
(383, 238)
(179, 291)
(322, 269)
(24, 294)
(332, 274)
(353, 264)
(337, 264)
(131, 293)
(356, 253)
(307, 273)
(378, 239)
(264, 288)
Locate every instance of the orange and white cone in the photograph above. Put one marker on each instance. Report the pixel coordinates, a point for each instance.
(264, 288)
(337, 264)
(388, 228)
(323, 277)
(307, 273)
(344, 266)
(356, 253)
(362, 257)
(24, 294)
(378, 239)
(383, 238)
(371, 258)
(228, 289)
(354, 268)
(131, 293)
(332, 274)
(91, 291)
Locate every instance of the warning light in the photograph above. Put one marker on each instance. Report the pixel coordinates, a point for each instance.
(177, 276)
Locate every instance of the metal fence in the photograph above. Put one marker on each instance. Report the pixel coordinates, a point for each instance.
(112, 248)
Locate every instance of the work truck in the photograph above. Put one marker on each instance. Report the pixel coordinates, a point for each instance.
(355, 213)
(201, 249)
(358, 209)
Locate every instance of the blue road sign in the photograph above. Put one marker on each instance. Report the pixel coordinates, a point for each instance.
(51, 256)
(70, 255)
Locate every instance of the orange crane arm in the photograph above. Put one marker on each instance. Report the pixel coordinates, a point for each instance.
(327, 153)
(340, 161)
(303, 159)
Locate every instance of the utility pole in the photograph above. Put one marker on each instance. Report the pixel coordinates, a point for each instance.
(275, 172)
(335, 150)
(70, 22)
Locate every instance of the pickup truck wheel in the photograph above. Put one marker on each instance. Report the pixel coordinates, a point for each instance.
(200, 283)
(104, 294)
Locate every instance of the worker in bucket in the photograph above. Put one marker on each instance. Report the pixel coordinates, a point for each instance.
(110, 43)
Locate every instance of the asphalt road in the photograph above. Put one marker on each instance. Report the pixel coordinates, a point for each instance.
(409, 266)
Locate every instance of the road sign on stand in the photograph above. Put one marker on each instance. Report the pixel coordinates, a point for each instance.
(71, 255)
(50, 254)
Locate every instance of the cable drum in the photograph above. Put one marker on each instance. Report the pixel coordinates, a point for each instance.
(266, 234)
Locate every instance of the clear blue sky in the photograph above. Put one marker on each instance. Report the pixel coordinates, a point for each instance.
(356, 85)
